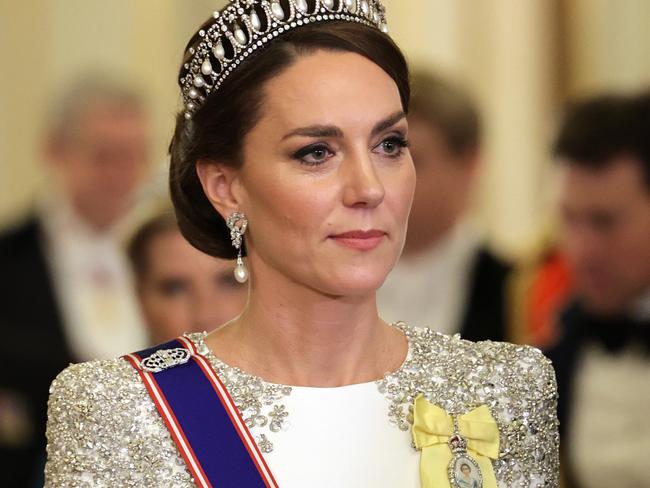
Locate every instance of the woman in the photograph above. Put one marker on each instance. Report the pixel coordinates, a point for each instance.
(181, 289)
(466, 480)
(297, 158)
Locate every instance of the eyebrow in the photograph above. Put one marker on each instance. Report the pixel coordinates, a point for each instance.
(388, 122)
(333, 131)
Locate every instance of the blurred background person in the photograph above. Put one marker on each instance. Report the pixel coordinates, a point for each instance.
(447, 278)
(542, 286)
(180, 288)
(602, 359)
(66, 293)
(522, 61)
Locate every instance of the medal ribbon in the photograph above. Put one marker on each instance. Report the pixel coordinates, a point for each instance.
(432, 429)
(203, 420)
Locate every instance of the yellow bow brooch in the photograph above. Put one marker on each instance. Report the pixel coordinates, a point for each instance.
(456, 450)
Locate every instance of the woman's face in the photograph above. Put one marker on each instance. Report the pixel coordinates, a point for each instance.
(184, 290)
(327, 180)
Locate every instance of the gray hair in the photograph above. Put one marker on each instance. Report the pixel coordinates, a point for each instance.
(86, 91)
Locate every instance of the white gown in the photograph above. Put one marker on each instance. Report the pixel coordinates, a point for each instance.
(342, 439)
(104, 430)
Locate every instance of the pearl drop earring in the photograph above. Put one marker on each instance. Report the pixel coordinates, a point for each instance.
(237, 223)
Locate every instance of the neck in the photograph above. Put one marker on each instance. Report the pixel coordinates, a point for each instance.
(293, 335)
(97, 223)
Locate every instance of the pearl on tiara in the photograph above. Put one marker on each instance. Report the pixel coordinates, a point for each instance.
(245, 26)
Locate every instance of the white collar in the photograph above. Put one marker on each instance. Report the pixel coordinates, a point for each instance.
(61, 221)
(461, 241)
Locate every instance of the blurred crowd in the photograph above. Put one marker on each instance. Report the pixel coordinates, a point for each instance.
(89, 274)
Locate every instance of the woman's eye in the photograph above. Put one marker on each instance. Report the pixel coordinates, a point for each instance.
(313, 155)
(393, 146)
(172, 287)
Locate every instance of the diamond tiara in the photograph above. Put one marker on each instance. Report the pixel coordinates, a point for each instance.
(245, 26)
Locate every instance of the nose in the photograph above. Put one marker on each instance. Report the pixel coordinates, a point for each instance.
(362, 184)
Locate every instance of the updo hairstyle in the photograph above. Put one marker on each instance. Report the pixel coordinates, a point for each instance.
(217, 130)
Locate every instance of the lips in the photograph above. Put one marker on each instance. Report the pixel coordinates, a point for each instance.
(362, 240)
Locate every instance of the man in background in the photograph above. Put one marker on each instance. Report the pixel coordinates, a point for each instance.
(602, 359)
(446, 279)
(65, 289)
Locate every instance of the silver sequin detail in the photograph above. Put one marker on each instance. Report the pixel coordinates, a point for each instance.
(104, 430)
(516, 382)
(258, 401)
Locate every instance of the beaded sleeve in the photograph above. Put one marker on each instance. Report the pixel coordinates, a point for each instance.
(103, 430)
(516, 382)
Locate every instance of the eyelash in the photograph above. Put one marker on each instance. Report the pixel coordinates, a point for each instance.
(300, 155)
(401, 142)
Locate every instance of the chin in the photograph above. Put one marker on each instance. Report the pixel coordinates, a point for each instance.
(357, 282)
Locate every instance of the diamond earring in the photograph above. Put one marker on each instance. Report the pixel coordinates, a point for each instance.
(237, 223)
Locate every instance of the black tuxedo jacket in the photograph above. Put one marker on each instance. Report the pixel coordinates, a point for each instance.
(486, 310)
(32, 346)
(578, 329)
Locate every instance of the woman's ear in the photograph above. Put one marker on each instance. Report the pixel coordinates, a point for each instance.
(218, 182)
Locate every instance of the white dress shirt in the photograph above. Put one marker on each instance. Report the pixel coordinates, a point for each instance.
(610, 420)
(431, 289)
(93, 285)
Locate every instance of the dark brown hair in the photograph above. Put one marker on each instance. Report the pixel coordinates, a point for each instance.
(216, 132)
(597, 130)
(138, 246)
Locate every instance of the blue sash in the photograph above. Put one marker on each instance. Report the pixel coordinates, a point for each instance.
(201, 417)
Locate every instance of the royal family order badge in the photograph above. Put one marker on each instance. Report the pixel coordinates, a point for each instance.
(457, 449)
(463, 470)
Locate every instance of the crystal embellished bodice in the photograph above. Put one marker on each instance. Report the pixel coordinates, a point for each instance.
(103, 428)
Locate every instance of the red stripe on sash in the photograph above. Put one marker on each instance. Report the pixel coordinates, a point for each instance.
(172, 423)
(233, 413)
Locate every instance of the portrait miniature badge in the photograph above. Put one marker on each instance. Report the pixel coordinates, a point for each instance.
(463, 470)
